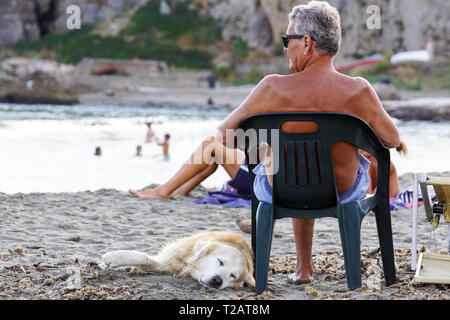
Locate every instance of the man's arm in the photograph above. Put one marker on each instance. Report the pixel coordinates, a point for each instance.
(379, 119)
(258, 101)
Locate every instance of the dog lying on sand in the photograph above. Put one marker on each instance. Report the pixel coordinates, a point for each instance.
(217, 259)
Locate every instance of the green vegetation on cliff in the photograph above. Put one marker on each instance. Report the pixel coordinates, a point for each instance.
(180, 22)
(150, 35)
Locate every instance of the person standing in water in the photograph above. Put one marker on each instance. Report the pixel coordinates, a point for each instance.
(165, 145)
(150, 133)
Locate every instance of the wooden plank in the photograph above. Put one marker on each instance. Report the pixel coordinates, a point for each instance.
(433, 268)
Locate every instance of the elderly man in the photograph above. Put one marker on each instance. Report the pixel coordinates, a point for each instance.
(312, 39)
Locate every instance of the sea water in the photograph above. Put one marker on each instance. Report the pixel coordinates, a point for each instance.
(47, 148)
(50, 148)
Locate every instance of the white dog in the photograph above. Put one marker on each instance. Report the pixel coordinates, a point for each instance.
(217, 259)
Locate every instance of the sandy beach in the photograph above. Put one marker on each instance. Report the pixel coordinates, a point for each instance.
(51, 244)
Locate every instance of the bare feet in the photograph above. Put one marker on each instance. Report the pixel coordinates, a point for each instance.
(149, 193)
(244, 225)
(179, 193)
(301, 275)
(298, 279)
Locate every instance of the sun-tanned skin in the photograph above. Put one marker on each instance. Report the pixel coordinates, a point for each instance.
(394, 188)
(316, 86)
(209, 154)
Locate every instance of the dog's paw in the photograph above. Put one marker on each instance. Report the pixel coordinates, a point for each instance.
(109, 260)
(102, 265)
(120, 258)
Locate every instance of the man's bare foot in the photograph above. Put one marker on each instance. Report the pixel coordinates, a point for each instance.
(294, 278)
(302, 275)
(244, 225)
(149, 193)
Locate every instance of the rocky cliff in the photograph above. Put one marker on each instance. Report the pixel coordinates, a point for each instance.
(18, 21)
(31, 19)
(405, 24)
(37, 81)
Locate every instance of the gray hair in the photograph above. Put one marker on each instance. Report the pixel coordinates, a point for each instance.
(320, 21)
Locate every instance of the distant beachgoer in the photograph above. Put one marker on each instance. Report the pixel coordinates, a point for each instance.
(150, 133)
(30, 84)
(165, 145)
(139, 151)
(160, 67)
(98, 151)
(211, 81)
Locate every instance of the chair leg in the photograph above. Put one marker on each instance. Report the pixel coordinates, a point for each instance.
(350, 230)
(264, 221)
(255, 204)
(384, 228)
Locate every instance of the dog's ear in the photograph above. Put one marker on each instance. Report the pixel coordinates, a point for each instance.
(248, 275)
(248, 280)
(201, 249)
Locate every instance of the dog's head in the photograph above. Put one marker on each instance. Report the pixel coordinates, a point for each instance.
(221, 265)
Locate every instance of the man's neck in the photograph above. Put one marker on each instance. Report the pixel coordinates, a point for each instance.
(319, 62)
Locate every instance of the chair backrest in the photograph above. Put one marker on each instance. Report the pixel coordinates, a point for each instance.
(304, 159)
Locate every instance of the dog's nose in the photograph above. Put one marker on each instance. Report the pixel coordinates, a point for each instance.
(215, 282)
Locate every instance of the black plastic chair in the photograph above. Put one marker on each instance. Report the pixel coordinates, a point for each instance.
(304, 186)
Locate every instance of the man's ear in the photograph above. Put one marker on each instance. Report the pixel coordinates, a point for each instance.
(308, 43)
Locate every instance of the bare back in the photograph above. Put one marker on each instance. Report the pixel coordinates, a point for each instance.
(328, 92)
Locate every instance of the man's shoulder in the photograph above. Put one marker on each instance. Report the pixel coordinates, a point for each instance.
(362, 99)
(273, 84)
(357, 82)
(366, 89)
(274, 79)
(358, 87)
(363, 83)
(277, 84)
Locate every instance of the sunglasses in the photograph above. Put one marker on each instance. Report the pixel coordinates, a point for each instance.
(286, 38)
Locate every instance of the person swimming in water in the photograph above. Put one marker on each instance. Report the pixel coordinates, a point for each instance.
(138, 151)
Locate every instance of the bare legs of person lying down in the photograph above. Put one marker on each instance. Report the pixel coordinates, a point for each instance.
(200, 165)
(394, 188)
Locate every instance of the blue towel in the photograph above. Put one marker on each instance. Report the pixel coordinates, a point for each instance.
(405, 198)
